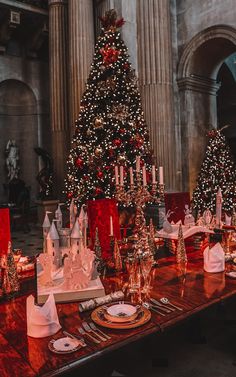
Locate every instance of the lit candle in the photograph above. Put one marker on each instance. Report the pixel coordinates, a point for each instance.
(131, 175)
(121, 175)
(137, 164)
(161, 180)
(111, 226)
(116, 175)
(144, 176)
(153, 174)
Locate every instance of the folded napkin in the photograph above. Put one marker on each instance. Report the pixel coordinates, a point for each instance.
(43, 320)
(214, 258)
(94, 303)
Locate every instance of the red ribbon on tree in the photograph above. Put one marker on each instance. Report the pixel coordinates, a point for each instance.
(110, 54)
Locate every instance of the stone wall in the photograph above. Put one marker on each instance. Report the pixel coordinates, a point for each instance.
(24, 115)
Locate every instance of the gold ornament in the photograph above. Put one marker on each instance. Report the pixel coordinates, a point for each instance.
(121, 158)
(98, 151)
(98, 123)
(120, 112)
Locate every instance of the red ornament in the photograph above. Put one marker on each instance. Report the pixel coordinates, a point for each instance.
(100, 174)
(107, 168)
(98, 191)
(126, 66)
(111, 152)
(79, 162)
(69, 195)
(122, 131)
(110, 54)
(117, 142)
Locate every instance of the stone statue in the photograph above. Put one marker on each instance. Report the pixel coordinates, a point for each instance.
(12, 159)
(44, 176)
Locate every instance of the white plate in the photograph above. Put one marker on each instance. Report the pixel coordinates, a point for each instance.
(64, 345)
(121, 310)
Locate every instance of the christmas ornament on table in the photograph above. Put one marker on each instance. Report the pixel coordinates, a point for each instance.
(218, 170)
(10, 281)
(68, 268)
(188, 219)
(207, 218)
(181, 256)
(110, 117)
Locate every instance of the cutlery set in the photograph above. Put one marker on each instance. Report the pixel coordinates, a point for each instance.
(89, 333)
(161, 307)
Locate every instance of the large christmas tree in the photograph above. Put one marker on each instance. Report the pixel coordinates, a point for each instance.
(218, 170)
(110, 129)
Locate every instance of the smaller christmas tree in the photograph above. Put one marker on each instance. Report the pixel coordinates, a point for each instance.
(181, 256)
(98, 253)
(10, 278)
(218, 170)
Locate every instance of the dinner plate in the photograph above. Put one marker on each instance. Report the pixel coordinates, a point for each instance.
(121, 312)
(64, 345)
(143, 316)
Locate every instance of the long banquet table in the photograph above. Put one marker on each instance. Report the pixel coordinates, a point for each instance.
(24, 356)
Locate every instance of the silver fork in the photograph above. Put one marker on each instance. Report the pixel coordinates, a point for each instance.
(93, 327)
(81, 340)
(88, 329)
(155, 302)
(83, 332)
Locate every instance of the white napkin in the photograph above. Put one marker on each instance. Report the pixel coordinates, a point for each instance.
(214, 258)
(43, 320)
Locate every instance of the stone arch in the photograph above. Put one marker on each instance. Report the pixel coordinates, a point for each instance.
(19, 121)
(193, 52)
(197, 81)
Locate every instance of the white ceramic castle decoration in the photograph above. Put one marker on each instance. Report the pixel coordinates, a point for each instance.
(66, 263)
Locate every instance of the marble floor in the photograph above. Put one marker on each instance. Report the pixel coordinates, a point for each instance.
(30, 242)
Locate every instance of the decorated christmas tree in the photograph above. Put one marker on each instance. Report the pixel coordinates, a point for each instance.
(110, 129)
(218, 170)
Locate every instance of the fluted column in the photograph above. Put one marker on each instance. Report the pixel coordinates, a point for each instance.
(156, 83)
(81, 47)
(58, 89)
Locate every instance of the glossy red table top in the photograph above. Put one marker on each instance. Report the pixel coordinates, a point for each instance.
(194, 291)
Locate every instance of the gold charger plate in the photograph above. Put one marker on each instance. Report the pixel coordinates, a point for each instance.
(143, 317)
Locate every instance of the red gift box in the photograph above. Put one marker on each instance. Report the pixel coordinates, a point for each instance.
(99, 212)
(5, 234)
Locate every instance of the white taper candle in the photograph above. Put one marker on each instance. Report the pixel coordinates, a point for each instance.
(121, 175)
(131, 176)
(111, 226)
(153, 174)
(161, 178)
(137, 164)
(116, 175)
(144, 176)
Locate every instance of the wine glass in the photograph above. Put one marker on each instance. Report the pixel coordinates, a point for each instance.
(146, 266)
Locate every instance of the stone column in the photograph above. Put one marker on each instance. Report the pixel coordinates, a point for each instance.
(197, 116)
(58, 89)
(156, 83)
(81, 47)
